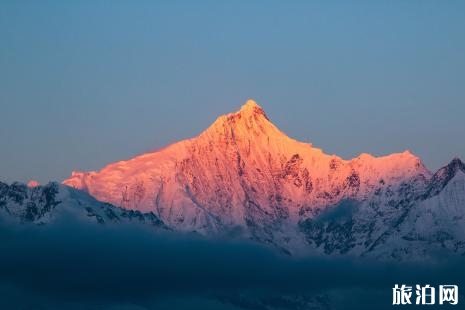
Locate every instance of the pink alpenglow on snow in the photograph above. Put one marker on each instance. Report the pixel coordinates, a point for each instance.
(32, 183)
(239, 167)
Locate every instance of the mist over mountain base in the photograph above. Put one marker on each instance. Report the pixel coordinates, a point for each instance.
(76, 265)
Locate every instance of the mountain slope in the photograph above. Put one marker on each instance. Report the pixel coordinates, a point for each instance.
(52, 202)
(414, 226)
(437, 221)
(244, 172)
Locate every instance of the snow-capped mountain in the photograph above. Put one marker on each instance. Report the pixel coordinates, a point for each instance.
(436, 221)
(45, 204)
(414, 222)
(244, 172)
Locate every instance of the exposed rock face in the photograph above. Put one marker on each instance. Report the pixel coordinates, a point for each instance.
(48, 203)
(244, 172)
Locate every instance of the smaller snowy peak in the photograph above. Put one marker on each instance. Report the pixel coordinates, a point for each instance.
(443, 176)
(456, 164)
(402, 165)
(32, 183)
(404, 157)
(29, 204)
(79, 179)
(44, 204)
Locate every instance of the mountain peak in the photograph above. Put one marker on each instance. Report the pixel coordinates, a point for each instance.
(32, 183)
(456, 162)
(250, 104)
(249, 119)
(454, 166)
(252, 108)
(442, 177)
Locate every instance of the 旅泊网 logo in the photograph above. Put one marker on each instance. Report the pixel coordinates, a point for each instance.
(425, 295)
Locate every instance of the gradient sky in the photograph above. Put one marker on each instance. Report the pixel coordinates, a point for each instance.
(86, 83)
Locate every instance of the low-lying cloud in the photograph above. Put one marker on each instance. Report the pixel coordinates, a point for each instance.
(76, 265)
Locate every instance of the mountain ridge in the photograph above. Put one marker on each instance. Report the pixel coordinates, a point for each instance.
(44, 204)
(242, 171)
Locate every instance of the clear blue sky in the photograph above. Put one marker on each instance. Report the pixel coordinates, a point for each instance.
(85, 83)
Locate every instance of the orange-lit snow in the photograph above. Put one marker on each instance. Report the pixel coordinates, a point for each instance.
(241, 160)
(33, 183)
